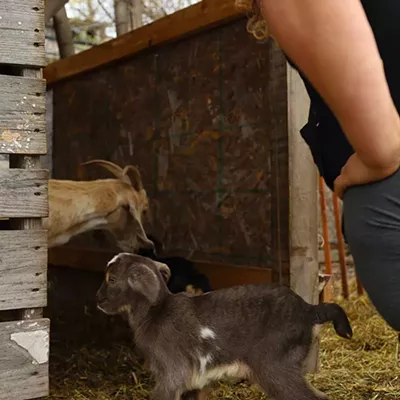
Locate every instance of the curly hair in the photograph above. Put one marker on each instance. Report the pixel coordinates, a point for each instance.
(256, 24)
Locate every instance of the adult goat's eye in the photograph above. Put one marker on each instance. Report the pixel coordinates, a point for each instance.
(111, 280)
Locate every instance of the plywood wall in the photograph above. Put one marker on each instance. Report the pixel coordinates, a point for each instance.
(205, 119)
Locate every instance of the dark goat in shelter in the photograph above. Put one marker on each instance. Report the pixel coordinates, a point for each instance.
(184, 276)
(259, 332)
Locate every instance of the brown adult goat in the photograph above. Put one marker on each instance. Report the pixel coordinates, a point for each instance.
(115, 205)
(260, 332)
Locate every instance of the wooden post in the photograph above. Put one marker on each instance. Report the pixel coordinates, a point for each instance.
(303, 184)
(24, 345)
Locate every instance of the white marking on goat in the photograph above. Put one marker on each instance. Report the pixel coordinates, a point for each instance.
(203, 362)
(207, 333)
(116, 258)
(89, 225)
(235, 370)
(36, 343)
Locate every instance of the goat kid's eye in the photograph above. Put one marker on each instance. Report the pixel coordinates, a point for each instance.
(111, 280)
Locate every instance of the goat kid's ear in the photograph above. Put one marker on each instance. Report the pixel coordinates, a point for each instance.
(146, 283)
(164, 270)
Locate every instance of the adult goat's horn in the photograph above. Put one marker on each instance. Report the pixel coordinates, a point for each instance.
(113, 168)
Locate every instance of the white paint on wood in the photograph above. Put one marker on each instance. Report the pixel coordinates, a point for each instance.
(22, 33)
(303, 209)
(24, 355)
(22, 115)
(36, 343)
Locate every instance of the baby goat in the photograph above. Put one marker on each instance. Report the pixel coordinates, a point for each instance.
(116, 205)
(184, 276)
(261, 332)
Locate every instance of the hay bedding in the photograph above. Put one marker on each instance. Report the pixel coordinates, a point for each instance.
(92, 358)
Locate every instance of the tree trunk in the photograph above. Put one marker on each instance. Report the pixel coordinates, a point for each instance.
(64, 34)
(52, 7)
(136, 13)
(122, 17)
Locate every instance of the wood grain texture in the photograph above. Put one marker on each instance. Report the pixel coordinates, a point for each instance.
(23, 266)
(22, 115)
(24, 355)
(303, 214)
(183, 23)
(23, 193)
(22, 32)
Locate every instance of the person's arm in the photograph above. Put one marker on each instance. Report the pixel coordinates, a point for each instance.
(332, 42)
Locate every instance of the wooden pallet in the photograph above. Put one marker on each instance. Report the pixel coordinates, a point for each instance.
(24, 343)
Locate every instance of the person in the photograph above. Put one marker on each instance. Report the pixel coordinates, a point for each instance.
(347, 53)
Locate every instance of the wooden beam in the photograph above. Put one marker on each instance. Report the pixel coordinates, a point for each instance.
(185, 22)
(220, 275)
(24, 349)
(303, 210)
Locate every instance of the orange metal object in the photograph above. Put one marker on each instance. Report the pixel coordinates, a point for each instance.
(340, 242)
(325, 232)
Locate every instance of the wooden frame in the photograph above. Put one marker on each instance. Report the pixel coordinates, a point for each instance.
(183, 23)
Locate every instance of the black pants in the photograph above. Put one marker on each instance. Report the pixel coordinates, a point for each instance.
(372, 229)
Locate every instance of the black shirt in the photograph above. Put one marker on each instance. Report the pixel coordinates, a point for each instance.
(323, 134)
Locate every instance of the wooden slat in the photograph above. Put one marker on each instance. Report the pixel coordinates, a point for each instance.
(190, 20)
(23, 266)
(23, 193)
(220, 275)
(24, 359)
(22, 115)
(22, 32)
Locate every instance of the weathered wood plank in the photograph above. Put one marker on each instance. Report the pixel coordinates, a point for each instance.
(22, 115)
(23, 266)
(303, 215)
(22, 32)
(24, 359)
(23, 194)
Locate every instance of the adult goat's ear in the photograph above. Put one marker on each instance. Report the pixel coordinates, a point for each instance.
(144, 241)
(142, 280)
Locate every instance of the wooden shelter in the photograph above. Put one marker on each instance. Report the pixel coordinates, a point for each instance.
(24, 335)
(212, 120)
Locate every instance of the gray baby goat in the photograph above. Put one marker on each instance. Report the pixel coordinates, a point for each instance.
(262, 332)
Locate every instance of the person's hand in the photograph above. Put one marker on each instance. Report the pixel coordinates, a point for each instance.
(355, 172)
